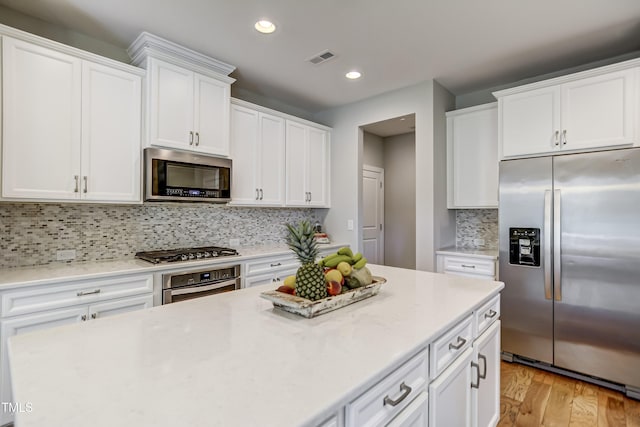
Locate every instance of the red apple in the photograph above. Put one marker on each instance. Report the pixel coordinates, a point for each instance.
(334, 288)
(286, 289)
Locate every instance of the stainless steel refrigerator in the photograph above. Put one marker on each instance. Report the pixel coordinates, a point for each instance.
(570, 261)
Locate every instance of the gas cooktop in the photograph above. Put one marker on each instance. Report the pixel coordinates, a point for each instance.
(185, 254)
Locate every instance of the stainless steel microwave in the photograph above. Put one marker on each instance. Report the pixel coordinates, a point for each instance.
(172, 175)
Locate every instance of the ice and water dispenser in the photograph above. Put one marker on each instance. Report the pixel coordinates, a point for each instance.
(524, 246)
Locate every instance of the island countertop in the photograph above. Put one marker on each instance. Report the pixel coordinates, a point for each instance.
(232, 359)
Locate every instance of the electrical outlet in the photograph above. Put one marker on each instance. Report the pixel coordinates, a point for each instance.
(66, 255)
(478, 242)
(349, 224)
(234, 242)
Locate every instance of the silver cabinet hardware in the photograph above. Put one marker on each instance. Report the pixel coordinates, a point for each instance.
(261, 194)
(77, 178)
(83, 293)
(257, 194)
(94, 315)
(477, 383)
(491, 314)
(556, 139)
(197, 138)
(461, 341)
(482, 375)
(85, 184)
(564, 137)
(467, 266)
(83, 317)
(406, 390)
(276, 265)
(190, 137)
(310, 196)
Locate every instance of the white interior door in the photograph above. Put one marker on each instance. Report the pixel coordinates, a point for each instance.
(373, 214)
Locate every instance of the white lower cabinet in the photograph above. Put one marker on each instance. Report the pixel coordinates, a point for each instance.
(47, 306)
(414, 415)
(485, 398)
(450, 394)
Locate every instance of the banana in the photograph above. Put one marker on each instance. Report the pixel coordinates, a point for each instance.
(345, 251)
(361, 263)
(357, 257)
(334, 261)
(328, 257)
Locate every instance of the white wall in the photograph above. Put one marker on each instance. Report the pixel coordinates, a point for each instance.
(372, 150)
(400, 201)
(347, 157)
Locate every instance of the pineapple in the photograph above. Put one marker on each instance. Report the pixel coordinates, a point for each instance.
(310, 282)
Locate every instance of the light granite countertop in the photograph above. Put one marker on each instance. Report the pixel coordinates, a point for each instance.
(472, 252)
(232, 359)
(54, 273)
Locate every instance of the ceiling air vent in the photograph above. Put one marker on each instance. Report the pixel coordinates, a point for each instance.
(321, 57)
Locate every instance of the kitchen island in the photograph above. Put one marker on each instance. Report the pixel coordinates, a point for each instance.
(234, 360)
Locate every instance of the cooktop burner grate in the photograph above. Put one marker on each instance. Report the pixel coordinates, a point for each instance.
(185, 254)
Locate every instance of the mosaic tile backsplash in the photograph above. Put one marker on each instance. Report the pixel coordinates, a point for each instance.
(474, 224)
(32, 233)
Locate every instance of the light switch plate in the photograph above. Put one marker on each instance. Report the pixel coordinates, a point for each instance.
(478, 242)
(349, 224)
(234, 242)
(66, 255)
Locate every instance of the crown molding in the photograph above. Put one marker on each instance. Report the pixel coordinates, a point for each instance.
(150, 45)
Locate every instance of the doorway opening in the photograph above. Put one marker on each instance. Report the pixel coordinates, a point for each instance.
(388, 172)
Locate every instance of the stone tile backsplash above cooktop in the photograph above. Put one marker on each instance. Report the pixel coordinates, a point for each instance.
(32, 233)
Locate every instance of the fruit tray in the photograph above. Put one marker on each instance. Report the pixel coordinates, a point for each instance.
(309, 309)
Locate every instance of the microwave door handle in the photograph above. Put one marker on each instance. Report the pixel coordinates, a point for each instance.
(198, 289)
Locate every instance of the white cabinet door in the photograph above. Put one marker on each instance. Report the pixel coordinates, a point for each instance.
(211, 116)
(296, 162)
(530, 122)
(29, 323)
(450, 394)
(317, 171)
(41, 123)
(414, 415)
(111, 117)
(110, 308)
(170, 105)
(599, 111)
(486, 397)
(244, 153)
(472, 158)
(272, 160)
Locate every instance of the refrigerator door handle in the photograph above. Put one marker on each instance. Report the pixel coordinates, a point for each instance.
(547, 244)
(557, 272)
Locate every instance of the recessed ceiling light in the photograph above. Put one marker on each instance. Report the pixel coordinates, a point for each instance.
(402, 119)
(353, 75)
(265, 27)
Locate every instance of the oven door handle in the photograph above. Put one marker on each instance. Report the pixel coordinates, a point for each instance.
(198, 289)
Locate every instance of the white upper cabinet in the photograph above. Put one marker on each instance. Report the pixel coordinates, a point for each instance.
(71, 127)
(307, 165)
(257, 149)
(187, 110)
(472, 157)
(189, 96)
(590, 110)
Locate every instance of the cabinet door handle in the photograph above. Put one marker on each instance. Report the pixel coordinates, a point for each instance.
(261, 194)
(190, 137)
(257, 194)
(83, 317)
(467, 266)
(482, 375)
(197, 138)
(85, 184)
(276, 265)
(406, 390)
(556, 139)
(77, 178)
(94, 315)
(477, 383)
(458, 345)
(310, 196)
(82, 293)
(564, 137)
(491, 314)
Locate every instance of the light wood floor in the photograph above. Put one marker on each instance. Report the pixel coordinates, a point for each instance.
(531, 397)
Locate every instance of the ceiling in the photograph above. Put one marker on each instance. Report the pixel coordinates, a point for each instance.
(466, 45)
(392, 127)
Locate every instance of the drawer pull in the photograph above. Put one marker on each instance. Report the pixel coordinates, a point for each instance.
(482, 375)
(82, 293)
(458, 345)
(467, 266)
(490, 315)
(477, 383)
(276, 265)
(406, 390)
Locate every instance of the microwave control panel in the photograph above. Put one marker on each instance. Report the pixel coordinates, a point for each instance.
(524, 246)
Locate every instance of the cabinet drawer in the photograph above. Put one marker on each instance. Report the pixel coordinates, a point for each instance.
(378, 405)
(271, 264)
(48, 297)
(451, 345)
(469, 266)
(486, 315)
